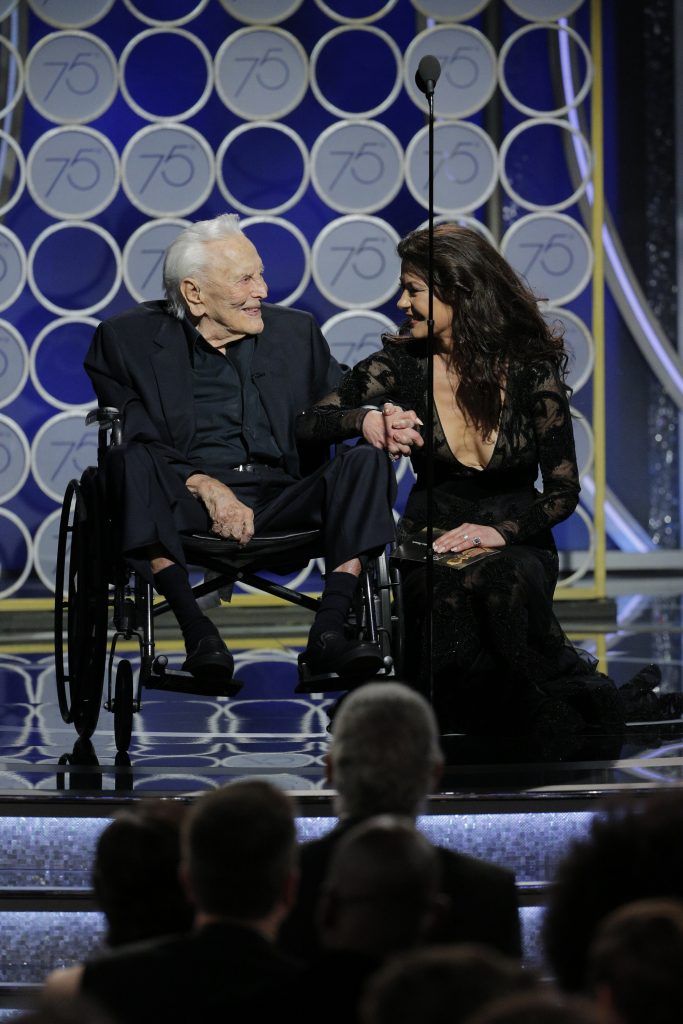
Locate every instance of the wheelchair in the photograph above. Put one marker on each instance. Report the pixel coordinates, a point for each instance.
(99, 602)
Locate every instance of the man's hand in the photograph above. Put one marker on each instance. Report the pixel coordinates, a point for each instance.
(469, 535)
(393, 429)
(230, 518)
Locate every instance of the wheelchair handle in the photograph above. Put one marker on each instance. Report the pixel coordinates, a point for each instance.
(107, 418)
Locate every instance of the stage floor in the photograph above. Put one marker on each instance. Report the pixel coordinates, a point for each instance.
(184, 744)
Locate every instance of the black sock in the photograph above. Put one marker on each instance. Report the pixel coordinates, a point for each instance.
(173, 583)
(340, 588)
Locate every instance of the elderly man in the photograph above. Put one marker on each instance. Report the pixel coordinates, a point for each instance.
(211, 382)
(385, 759)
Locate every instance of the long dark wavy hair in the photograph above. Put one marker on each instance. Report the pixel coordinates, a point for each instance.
(496, 322)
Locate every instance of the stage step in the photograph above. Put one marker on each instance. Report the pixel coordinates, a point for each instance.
(48, 917)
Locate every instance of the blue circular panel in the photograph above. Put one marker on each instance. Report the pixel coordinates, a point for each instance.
(283, 259)
(13, 362)
(71, 76)
(261, 73)
(355, 262)
(59, 363)
(74, 268)
(15, 553)
(167, 170)
(73, 172)
(262, 169)
(369, 71)
(62, 450)
(147, 74)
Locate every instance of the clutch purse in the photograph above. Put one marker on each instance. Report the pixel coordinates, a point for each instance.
(414, 549)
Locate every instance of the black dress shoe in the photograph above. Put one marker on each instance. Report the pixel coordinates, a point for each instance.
(210, 659)
(330, 653)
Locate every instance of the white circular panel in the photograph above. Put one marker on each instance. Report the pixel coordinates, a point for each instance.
(73, 172)
(261, 12)
(450, 10)
(71, 76)
(14, 81)
(13, 536)
(253, 170)
(53, 370)
(355, 262)
(15, 194)
(62, 450)
(271, 237)
(14, 360)
(543, 10)
(143, 257)
(155, 34)
(45, 549)
(468, 69)
(379, 103)
(505, 53)
(70, 13)
(526, 126)
(167, 170)
(552, 252)
(354, 335)
(12, 267)
(15, 458)
(357, 166)
(465, 167)
(579, 345)
(94, 271)
(261, 73)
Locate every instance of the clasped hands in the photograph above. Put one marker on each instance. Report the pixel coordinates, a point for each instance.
(230, 518)
(393, 429)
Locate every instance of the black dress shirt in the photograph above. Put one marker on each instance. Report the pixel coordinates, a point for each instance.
(232, 427)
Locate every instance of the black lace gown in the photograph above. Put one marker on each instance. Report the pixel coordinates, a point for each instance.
(500, 656)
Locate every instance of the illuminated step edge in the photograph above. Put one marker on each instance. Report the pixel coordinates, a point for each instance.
(56, 853)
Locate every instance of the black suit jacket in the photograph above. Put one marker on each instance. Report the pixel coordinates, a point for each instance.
(139, 362)
(483, 900)
(221, 972)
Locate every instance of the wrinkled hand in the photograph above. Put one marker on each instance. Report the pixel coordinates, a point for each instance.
(230, 518)
(466, 536)
(392, 429)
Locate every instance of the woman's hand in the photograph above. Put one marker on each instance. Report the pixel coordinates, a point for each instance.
(393, 429)
(469, 535)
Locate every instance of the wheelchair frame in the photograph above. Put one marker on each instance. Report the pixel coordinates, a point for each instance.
(95, 579)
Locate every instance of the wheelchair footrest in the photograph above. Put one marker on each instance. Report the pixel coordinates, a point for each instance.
(183, 682)
(332, 682)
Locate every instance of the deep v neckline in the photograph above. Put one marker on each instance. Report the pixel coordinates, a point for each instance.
(464, 465)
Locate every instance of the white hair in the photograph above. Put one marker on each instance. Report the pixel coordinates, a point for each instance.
(385, 747)
(186, 256)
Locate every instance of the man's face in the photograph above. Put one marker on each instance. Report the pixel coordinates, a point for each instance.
(230, 290)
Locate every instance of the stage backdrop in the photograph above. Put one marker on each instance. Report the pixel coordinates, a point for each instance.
(122, 120)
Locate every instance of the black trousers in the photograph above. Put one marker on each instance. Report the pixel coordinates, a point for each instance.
(349, 499)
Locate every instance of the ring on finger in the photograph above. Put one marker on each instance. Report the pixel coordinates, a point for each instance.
(476, 541)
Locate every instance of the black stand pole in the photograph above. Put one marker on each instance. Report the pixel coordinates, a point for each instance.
(429, 435)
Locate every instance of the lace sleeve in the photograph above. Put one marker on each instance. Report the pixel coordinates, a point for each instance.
(554, 438)
(340, 414)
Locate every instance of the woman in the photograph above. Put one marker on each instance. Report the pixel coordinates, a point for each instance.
(501, 414)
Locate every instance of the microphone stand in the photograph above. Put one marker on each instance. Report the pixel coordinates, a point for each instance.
(429, 437)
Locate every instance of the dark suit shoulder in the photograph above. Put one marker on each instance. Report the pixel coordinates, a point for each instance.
(285, 316)
(144, 312)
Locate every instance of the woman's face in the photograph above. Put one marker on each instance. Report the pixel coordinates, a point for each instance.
(414, 303)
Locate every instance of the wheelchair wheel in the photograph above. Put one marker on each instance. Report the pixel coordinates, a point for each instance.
(80, 618)
(123, 705)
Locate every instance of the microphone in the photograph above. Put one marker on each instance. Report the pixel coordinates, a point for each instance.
(427, 74)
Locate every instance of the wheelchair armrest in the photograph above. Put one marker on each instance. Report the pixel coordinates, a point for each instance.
(106, 416)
